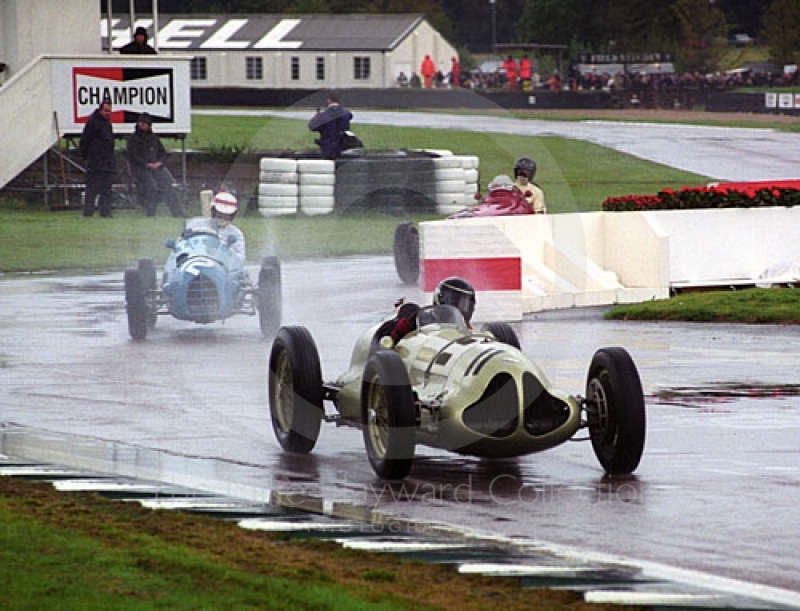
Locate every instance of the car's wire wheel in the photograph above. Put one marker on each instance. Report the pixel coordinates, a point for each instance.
(377, 419)
(388, 415)
(295, 389)
(283, 399)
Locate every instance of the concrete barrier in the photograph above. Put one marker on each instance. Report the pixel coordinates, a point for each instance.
(525, 264)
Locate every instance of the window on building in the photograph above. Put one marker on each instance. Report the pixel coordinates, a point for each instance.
(320, 68)
(295, 69)
(198, 70)
(361, 68)
(254, 68)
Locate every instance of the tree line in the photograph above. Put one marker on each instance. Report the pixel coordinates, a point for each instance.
(694, 31)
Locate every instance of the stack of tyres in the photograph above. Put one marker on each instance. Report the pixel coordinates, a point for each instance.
(392, 182)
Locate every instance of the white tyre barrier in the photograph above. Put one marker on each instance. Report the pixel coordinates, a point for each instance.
(277, 189)
(317, 178)
(469, 162)
(449, 174)
(448, 203)
(278, 164)
(447, 162)
(285, 178)
(316, 190)
(471, 175)
(277, 205)
(450, 186)
(314, 205)
(315, 166)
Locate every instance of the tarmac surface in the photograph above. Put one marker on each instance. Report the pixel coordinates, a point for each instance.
(716, 494)
(714, 500)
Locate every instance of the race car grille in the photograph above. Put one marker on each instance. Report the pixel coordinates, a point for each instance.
(496, 413)
(202, 299)
(543, 412)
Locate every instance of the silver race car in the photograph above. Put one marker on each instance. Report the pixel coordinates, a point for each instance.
(445, 385)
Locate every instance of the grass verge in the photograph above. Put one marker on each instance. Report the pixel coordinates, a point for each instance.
(754, 305)
(81, 551)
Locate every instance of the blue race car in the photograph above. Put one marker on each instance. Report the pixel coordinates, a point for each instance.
(203, 281)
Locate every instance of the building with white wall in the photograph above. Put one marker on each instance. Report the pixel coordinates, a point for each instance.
(293, 51)
(31, 28)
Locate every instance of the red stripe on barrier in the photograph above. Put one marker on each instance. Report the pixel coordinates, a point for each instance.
(491, 274)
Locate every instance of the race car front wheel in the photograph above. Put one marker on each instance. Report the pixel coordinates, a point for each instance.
(388, 415)
(269, 295)
(147, 271)
(406, 252)
(295, 390)
(136, 304)
(615, 410)
(503, 332)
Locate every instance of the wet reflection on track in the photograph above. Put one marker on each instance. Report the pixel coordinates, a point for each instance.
(717, 491)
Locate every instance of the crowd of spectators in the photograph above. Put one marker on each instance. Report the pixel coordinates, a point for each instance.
(643, 88)
(634, 88)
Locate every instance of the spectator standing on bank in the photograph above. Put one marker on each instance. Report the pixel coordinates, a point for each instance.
(428, 70)
(511, 70)
(415, 82)
(525, 72)
(146, 156)
(402, 79)
(138, 46)
(331, 124)
(455, 73)
(97, 148)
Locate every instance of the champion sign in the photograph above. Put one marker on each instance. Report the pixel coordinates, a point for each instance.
(131, 91)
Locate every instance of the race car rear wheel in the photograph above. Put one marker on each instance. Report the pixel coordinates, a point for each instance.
(269, 296)
(147, 270)
(295, 389)
(406, 252)
(388, 415)
(615, 410)
(503, 332)
(136, 304)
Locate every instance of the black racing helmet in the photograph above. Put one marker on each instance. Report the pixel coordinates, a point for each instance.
(527, 165)
(456, 292)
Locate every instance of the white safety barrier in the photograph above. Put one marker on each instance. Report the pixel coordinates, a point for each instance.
(521, 264)
(456, 182)
(288, 186)
(278, 189)
(316, 186)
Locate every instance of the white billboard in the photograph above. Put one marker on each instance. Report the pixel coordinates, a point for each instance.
(161, 87)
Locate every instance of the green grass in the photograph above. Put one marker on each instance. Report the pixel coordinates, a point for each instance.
(575, 175)
(82, 552)
(758, 306)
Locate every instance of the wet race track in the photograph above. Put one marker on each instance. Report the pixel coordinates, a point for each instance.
(715, 498)
(717, 490)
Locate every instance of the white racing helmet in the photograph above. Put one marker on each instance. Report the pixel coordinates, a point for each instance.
(224, 208)
(224, 203)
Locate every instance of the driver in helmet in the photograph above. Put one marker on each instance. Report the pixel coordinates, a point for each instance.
(452, 291)
(457, 292)
(223, 209)
(524, 171)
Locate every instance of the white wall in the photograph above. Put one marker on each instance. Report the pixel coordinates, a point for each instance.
(29, 28)
(601, 258)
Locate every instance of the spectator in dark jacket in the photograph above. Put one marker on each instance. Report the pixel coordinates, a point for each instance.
(147, 158)
(97, 148)
(331, 124)
(138, 46)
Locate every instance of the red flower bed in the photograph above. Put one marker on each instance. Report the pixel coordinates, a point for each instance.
(724, 195)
